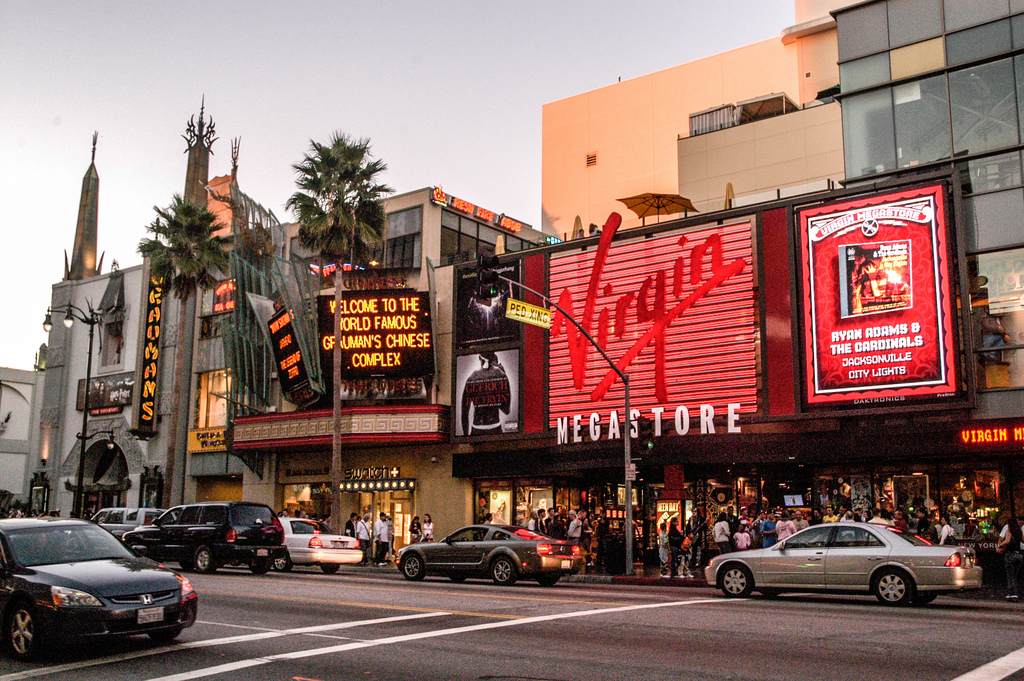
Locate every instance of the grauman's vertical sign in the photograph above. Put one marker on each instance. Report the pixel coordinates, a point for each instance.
(145, 415)
(675, 312)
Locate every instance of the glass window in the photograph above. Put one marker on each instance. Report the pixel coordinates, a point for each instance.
(1017, 29)
(403, 251)
(215, 515)
(917, 58)
(212, 408)
(865, 72)
(1018, 67)
(409, 221)
(190, 516)
(983, 102)
(922, 121)
(854, 537)
(994, 220)
(863, 31)
(978, 43)
(992, 173)
(963, 13)
(997, 310)
(868, 133)
(112, 343)
(449, 243)
(913, 20)
(488, 235)
(812, 538)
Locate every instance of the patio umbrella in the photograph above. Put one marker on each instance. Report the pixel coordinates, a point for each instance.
(651, 203)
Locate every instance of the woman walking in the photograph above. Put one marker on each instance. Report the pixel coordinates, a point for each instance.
(1011, 542)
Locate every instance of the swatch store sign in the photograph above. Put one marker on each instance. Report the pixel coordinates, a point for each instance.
(675, 313)
(878, 324)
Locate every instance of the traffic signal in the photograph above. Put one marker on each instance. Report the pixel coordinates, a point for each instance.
(645, 433)
(486, 277)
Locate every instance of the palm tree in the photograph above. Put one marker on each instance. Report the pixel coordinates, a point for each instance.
(182, 253)
(340, 208)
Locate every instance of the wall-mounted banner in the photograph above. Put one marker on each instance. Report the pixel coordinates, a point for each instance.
(483, 320)
(107, 394)
(675, 312)
(487, 393)
(876, 299)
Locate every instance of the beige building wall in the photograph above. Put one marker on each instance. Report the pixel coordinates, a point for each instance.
(781, 156)
(632, 127)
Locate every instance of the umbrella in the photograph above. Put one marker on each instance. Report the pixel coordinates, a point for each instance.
(651, 203)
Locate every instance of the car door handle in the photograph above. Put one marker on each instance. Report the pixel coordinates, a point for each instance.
(876, 558)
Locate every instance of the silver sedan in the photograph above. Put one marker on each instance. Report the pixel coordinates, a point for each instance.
(897, 567)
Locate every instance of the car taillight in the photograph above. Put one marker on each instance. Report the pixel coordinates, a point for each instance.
(231, 537)
(315, 542)
(955, 560)
(357, 544)
(576, 550)
(277, 524)
(544, 549)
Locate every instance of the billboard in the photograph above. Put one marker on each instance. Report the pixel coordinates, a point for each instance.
(483, 320)
(487, 393)
(877, 321)
(291, 365)
(674, 311)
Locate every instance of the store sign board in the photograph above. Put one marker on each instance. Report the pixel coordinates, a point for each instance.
(675, 312)
(876, 300)
(380, 334)
(207, 440)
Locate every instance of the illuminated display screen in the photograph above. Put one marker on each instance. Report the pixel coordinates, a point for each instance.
(876, 305)
(676, 312)
(224, 297)
(291, 365)
(993, 435)
(381, 333)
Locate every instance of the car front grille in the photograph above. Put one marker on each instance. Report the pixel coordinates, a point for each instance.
(140, 599)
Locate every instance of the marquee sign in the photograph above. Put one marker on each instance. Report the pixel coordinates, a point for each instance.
(291, 365)
(148, 370)
(675, 312)
(876, 300)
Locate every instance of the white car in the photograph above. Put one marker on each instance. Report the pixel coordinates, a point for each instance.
(311, 542)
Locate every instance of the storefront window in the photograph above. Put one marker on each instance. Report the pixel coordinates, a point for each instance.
(212, 407)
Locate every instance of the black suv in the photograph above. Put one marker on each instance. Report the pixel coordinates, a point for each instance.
(203, 537)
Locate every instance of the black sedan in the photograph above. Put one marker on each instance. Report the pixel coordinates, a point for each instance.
(504, 553)
(67, 580)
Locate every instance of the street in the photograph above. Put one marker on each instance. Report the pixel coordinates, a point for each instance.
(309, 626)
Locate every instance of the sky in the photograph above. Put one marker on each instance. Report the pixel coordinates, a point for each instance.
(448, 93)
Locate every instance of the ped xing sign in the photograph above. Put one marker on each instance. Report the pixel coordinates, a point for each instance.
(528, 314)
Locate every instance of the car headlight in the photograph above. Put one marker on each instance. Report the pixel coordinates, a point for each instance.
(186, 585)
(72, 597)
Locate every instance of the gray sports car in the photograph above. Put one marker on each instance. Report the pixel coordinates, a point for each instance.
(897, 567)
(504, 553)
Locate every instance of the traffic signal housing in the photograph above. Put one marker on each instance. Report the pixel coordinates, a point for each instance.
(486, 277)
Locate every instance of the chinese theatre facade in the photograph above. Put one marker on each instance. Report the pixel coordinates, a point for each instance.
(815, 353)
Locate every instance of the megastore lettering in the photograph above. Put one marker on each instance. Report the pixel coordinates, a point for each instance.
(680, 423)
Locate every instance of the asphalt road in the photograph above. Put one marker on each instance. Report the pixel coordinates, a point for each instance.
(374, 625)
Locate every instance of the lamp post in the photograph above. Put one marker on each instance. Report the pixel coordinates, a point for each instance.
(91, 317)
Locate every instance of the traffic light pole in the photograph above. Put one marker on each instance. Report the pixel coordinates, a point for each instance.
(625, 436)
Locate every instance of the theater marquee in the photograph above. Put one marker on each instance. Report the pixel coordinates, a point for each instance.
(876, 300)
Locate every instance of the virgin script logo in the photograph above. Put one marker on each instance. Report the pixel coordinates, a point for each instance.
(647, 306)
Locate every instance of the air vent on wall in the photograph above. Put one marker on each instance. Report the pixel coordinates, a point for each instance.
(592, 159)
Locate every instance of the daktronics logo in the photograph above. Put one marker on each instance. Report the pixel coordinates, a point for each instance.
(676, 313)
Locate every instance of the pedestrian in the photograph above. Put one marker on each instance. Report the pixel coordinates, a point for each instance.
(391, 553)
(415, 530)
(721, 535)
(1011, 544)
(947, 535)
(829, 516)
(877, 519)
(363, 534)
(601, 535)
(575, 529)
(697, 528)
(428, 528)
(784, 528)
(531, 524)
(664, 554)
(557, 528)
(799, 521)
(741, 540)
(675, 546)
(586, 537)
(350, 526)
(768, 531)
(380, 535)
(542, 521)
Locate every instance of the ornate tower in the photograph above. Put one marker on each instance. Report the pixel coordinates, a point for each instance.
(200, 139)
(83, 256)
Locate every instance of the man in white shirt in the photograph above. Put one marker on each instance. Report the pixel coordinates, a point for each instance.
(363, 535)
(380, 533)
(575, 529)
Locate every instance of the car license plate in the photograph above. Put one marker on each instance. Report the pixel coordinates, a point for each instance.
(150, 615)
(261, 552)
(566, 564)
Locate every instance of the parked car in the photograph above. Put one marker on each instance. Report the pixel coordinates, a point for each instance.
(64, 580)
(120, 520)
(505, 553)
(897, 567)
(311, 542)
(203, 537)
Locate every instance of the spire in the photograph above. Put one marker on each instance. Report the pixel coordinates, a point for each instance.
(83, 256)
(200, 139)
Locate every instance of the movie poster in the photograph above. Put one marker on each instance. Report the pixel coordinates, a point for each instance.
(482, 320)
(487, 393)
(876, 286)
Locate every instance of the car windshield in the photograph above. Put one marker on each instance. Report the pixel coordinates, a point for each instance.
(63, 544)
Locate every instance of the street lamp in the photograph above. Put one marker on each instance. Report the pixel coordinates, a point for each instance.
(92, 317)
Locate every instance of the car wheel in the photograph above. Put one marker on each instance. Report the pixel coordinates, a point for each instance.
(202, 559)
(412, 567)
(458, 579)
(284, 563)
(503, 571)
(21, 630)
(736, 581)
(165, 636)
(330, 568)
(924, 599)
(548, 580)
(260, 566)
(893, 587)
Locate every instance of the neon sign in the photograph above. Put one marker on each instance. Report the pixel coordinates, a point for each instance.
(224, 297)
(992, 435)
(439, 197)
(146, 413)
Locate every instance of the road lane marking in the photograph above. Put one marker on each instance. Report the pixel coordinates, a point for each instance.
(996, 669)
(356, 645)
(242, 638)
